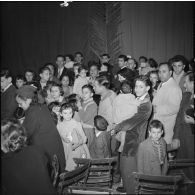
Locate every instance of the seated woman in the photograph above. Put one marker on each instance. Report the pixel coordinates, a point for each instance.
(24, 168)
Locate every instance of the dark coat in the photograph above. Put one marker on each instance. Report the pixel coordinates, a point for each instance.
(135, 128)
(25, 172)
(8, 102)
(42, 131)
(100, 147)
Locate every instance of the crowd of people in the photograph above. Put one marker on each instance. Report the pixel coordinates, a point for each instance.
(138, 115)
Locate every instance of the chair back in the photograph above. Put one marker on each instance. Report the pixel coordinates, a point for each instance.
(150, 184)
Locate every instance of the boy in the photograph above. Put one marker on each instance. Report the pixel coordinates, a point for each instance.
(100, 147)
(20, 81)
(152, 157)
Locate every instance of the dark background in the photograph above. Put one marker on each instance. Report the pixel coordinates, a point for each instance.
(33, 33)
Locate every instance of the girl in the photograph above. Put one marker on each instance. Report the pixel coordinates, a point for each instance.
(67, 89)
(88, 112)
(73, 137)
(80, 81)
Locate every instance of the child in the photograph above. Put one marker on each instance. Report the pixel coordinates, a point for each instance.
(20, 81)
(80, 81)
(100, 147)
(54, 108)
(73, 137)
(65, 85)
(88, 112)
(152, 153)
(124, 107)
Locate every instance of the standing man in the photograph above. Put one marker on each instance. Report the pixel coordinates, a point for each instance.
(8, 92)
(166, 102)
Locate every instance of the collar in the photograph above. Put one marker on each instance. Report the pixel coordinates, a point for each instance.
(7, 87)
(142, 97)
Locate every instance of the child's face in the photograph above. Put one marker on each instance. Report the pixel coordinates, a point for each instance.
(86, 94)
(155, 134)
(65, 81)
(83, 73)
(67, 114)
(45, 75)
(19, 83)
(153, 78)
(55, 92)
(141, 88)
(56, 109)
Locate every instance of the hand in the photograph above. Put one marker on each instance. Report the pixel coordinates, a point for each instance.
(189, 119)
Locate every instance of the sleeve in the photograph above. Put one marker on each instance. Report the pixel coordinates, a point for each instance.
(172, 104)
(81, 132)
(136, 120)
(140, 158)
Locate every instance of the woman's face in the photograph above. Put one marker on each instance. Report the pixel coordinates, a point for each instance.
(154, 78)
(55, 92)
(189, 85)
(24, 104)
(65, 81)
(67, 114)
(141, 88)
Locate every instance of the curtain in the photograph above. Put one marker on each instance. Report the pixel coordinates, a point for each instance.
(157, 29)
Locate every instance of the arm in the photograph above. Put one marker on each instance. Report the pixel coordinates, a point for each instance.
(143, 113)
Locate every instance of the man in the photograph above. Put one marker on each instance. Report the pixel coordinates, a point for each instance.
(167, 100)
(8, 91)
(122, 61)
(78, 58)
(61, 71)
(178, 65)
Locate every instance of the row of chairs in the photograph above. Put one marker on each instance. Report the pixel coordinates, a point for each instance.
(94, 176)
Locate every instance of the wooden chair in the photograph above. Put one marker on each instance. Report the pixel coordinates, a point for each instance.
(99, 177)
(55, 170)
(150, 184)
(72, 178)
(181, 163)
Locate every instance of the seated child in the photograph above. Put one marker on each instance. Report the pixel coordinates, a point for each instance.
(152, 152)
(124, 107)
(100, 147)
(73, 137)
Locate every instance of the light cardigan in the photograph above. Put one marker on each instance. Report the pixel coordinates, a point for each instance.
(167, 101)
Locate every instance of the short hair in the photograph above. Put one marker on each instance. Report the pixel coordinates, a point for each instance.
(6, 73)
(78, 52)
(168, 65)
(66, 106)
(127, 73)
(100, 123)
(190, 75)
(126, 87)
(145, 79)
(42, 69)
(103, 80)
(15, 134)
(30, 70)
(19, 113)
(59, 87)
(155, 124)
(52, 105)
(105, 54)
(20, 77)
(70, 56)
(143, 57)
(82, 68)
(124, 57)
(107, 65)
(88, 86)
(153, 72)
(153, 63)
(93, 63)
(60, 56)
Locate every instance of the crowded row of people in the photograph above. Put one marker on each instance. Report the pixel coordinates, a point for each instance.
(81, 111)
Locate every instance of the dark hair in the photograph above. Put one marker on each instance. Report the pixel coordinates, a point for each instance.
(143, 57)
(20, 77)
(73, 99)
(70, 56)
(93, 63)
(65, 106)
(126, 87)
(124, 57)
(52, 105)
(78, 52)
(105, 54)
(18, 139)
(127, 73)
(152, 63)
(103, 80)
(59, 87)
(135, 62)
(19, 113)
(42, 69)
(100, 123)
(144, 79)
(155, 124)
(153, 72)
(180, 58)
(190, 75)
(82, 68)
(33, 73)
(66, 75)
(168, 65)
(60, 56)
(6, 73)
(107, 65)
(88, 87)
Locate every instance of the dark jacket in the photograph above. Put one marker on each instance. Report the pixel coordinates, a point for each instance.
(25, 172)
(42, 131)
(8, 102)
(135, 128)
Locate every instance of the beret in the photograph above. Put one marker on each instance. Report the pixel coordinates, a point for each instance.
(26, 91)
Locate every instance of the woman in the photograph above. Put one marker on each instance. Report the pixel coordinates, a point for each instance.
(135, 128)
(24, 168)
(40, 127)
(184, 126)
